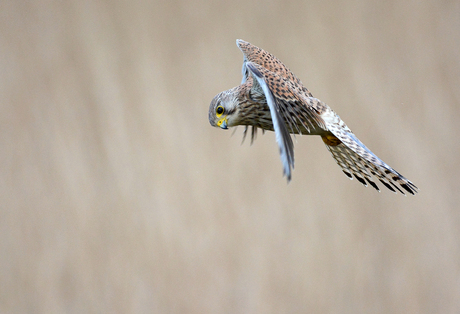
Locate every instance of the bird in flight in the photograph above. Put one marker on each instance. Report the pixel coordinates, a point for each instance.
(272, 98)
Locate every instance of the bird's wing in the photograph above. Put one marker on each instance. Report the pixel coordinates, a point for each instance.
(290, 93)
(356, 159)
(265, 59)
(291, 101)
(353, 164)
(288, 109)
(283, 138)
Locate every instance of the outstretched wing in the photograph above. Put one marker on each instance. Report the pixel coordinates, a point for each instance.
(357, 160)
(353, 164)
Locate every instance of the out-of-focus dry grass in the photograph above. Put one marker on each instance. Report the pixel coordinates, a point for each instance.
(118, 196)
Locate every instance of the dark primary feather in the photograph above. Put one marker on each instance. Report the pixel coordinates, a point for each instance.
(362, 163)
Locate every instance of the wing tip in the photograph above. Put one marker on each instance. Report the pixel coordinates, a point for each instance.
(240, 42)
(288, 179)
(287, 171)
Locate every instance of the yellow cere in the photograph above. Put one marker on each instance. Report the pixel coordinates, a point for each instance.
(219, 123)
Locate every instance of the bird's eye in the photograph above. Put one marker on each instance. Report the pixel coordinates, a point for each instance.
(219, 111)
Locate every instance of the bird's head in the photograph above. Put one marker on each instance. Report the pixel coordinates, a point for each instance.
(223, 111)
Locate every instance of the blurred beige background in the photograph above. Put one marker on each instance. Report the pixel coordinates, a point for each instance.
(117, 196)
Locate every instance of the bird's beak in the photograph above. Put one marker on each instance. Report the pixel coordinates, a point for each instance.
(222, 123)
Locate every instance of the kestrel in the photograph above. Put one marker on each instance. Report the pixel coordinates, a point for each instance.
(272, 98)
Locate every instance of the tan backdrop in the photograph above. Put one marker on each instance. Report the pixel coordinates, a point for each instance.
(117, 196)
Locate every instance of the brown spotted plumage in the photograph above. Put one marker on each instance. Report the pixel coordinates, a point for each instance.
(272, 98)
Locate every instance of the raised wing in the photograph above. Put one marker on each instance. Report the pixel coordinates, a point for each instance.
(268, 61)
(300, 115)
